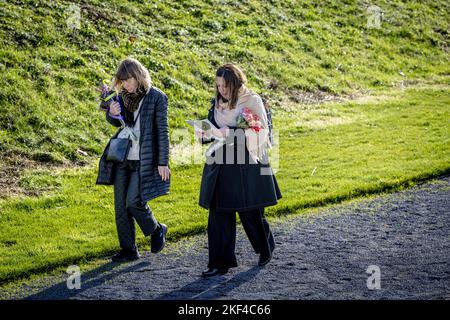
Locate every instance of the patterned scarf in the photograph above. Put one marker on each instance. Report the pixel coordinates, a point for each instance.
(131, 100)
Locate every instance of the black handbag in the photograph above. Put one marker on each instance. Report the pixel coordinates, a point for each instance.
(118, 149)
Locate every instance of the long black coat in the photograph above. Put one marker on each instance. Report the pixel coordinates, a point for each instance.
(236, 187)
(154, 147)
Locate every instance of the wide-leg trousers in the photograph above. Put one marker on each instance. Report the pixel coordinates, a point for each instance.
(222, 236)
(129, 206)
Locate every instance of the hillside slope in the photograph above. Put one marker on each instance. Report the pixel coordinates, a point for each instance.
(51, 60)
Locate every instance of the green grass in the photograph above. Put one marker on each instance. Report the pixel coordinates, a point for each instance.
(374, 147)
(387, 140)
(382, 144)
(49, 107)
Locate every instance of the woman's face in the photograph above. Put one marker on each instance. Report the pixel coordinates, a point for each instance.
(223, 89)
(130, 85)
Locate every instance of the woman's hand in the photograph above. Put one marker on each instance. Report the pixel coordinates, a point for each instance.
(164, 172)
(222, 132)
(199, 133)
(114, 108)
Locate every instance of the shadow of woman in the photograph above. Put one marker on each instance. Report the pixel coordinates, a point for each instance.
(89, 280)
(210, 288)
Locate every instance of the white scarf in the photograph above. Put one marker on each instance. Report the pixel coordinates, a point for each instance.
(257, 142)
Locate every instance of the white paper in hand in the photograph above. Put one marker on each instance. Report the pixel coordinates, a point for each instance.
(206, 126)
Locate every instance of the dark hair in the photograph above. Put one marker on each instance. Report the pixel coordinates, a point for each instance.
(234, 79)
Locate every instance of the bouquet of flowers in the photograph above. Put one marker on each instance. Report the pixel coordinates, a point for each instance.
(247, 119)
(107, 96)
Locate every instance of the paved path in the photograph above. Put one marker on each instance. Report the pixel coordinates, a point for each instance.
(324, 255)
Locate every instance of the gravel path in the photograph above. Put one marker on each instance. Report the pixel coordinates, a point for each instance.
(323, 255)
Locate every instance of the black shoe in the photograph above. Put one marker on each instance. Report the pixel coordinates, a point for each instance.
(158, 239)
(264, 259)
(125, 255)
(210, 272)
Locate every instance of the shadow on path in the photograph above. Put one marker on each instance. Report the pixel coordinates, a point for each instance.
(211, 288)
(89, 280)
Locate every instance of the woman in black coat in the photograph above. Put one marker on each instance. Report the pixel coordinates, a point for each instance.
(145, 173)
(237, 176)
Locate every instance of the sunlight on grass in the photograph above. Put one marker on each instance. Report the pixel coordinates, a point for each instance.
(388, 146)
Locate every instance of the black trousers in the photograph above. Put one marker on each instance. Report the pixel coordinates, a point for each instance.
(222, 236)
(129, 206)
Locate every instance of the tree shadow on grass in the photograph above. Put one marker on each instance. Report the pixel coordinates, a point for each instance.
(89, 280)
(210, 288)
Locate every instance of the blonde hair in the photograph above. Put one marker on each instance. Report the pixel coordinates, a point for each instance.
(132, 68)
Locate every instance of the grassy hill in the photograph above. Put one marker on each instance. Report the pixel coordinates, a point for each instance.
(50, 63)
(391, 133)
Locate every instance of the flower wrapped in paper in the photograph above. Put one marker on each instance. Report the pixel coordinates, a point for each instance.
(107, 96)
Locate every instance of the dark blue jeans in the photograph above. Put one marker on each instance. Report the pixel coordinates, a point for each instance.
(129, 206)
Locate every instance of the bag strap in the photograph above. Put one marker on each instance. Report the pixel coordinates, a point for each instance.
(139, 112)
(137, 117)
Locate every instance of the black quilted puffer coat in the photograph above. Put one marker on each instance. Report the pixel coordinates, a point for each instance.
(154, 146)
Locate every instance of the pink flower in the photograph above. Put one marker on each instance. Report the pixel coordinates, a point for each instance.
(247, 119)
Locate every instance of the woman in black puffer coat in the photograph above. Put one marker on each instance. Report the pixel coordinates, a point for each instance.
(145, 174)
